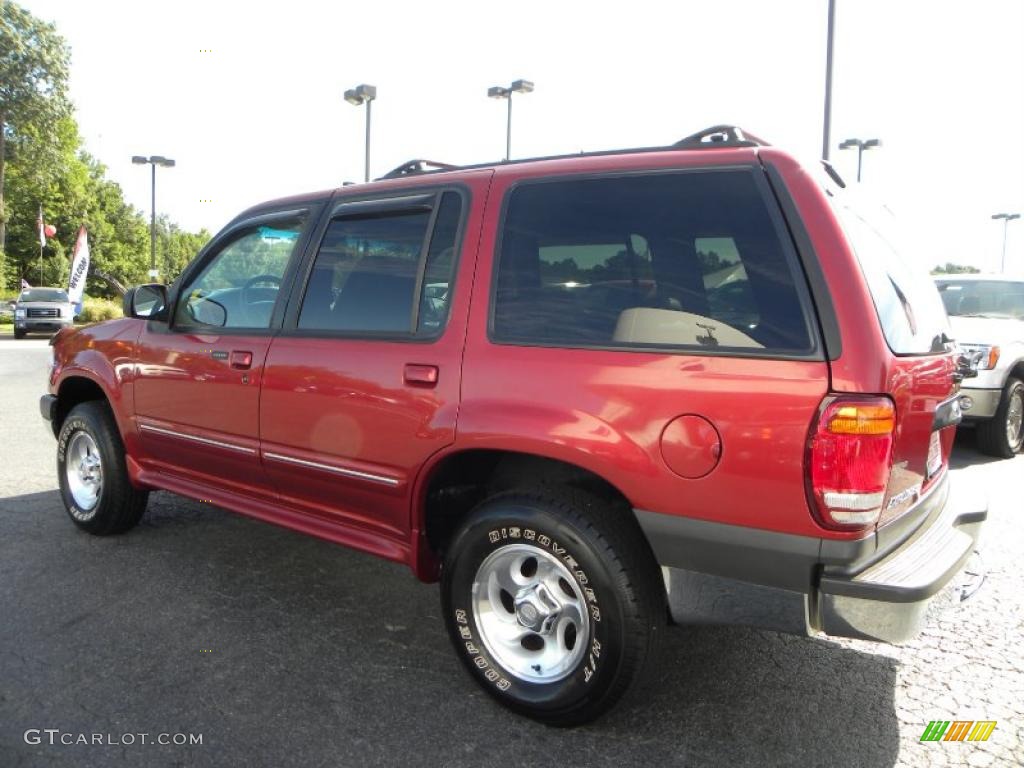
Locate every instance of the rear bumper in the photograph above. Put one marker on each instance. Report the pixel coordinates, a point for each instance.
(888, 600)
(876, 588)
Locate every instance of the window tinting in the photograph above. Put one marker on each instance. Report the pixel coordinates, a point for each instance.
(907, 303)
(435, 298)
(690, 260)
(239, 286)
(366, 273)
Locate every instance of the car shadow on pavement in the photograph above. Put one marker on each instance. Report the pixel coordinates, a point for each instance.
(965, 452)
(286, 650)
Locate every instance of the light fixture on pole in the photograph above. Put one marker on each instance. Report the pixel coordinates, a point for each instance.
(363, 94)
(1006, 218)
(153, 162)
(501, 92)
(861, 147)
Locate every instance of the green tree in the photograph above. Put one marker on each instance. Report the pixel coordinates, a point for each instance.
(175, 247)
(33, 93)
(954, 269)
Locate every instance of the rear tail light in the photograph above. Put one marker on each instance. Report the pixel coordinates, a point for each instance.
(850, 459)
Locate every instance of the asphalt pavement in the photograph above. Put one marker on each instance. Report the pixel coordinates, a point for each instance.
(277, 649)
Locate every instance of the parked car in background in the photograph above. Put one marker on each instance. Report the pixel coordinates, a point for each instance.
(42, 310)
(587, 393)
(987, 316)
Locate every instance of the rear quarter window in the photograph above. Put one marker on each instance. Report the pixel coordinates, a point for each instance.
(679, 261)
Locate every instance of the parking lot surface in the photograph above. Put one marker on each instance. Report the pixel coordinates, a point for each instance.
(283, 650)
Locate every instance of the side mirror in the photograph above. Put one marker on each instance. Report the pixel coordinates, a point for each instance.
(206, 311)
(147, 301)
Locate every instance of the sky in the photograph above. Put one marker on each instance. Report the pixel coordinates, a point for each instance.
(247, 97)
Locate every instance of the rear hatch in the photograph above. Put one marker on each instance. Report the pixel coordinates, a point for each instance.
(920, 377)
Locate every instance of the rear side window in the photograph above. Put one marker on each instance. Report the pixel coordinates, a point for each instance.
(908, 305)
(389, 272)
(689, 260)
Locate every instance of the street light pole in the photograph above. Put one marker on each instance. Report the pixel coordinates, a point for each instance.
(363, 94)
(152, 218)
(861, 146)
(501, 92)
(153, 161)
(826, 140)
(1007, 218)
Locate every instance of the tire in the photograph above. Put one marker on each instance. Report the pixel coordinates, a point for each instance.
(1003, 434)
(19, 333)
(576, 562)
(91, 469)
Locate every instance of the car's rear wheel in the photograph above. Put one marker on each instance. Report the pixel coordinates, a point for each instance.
(91, 469)
(1003, 434)
(554, 603)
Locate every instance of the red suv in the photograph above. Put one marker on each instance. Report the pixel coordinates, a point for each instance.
(589, 394)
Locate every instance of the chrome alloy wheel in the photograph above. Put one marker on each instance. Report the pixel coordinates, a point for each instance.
(84, 471)
(1014, 417)
(530, 613)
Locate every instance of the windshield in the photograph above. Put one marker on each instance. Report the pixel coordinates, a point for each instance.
(43, 294)
(983, 298)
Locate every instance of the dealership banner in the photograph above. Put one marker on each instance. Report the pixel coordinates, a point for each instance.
(79, 269)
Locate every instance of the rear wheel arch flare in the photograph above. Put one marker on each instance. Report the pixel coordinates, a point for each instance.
(460, 480)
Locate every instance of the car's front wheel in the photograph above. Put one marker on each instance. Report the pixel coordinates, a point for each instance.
(1003, 434)
(19, 333)
(92, 474)
(553, 602)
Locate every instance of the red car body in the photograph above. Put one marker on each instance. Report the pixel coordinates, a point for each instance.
(346, 438)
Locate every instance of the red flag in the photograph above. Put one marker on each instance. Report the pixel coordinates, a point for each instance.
(42, 228)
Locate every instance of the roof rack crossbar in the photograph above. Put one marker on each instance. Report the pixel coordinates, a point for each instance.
(720, 136)
(418, 165)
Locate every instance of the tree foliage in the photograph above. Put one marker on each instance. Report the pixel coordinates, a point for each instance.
(954, 269)
(34, 62)
(42, 163)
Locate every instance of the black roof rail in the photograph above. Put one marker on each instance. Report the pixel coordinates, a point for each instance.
(720, 136)
(417, 166)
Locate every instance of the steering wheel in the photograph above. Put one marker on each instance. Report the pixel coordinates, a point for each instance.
(249, 303)
(254, 281)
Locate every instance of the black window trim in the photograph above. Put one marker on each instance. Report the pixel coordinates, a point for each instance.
(308, 213)
(381, 204)
(818, 286)
(814, 353)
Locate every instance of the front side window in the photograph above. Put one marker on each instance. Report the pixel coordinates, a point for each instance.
(385, 273)
(687, 260)
(239, 286)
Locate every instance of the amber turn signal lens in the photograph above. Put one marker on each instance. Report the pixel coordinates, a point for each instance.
(872, 419)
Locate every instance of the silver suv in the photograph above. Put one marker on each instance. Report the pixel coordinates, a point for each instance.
(986, 313)
(42, 310)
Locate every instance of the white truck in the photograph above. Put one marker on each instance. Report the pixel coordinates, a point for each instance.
(986, 313)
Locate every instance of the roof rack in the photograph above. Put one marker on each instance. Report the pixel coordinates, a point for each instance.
(417, 166)
(720, 136)
(717, 136)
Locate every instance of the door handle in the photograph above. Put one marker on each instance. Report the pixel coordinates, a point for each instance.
(421, 374)
(241, 360)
